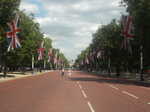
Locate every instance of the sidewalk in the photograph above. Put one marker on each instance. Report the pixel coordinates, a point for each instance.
(17, 75)
(130, 78)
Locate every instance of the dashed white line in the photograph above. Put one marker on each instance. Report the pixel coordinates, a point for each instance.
(129, 94)
(148, 103)
(113, 87)
(80, 86)
(90, 106)
(85, 96)
(145, 88)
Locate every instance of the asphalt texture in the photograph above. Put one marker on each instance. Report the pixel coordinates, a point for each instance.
(75, 92)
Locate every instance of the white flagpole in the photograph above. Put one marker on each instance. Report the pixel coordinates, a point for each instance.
(44, 64)
(141, 63)
(33, 63)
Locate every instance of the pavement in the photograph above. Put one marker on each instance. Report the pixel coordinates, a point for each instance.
(133, 78)
(18, 75)
(76, 92)
(12, 76)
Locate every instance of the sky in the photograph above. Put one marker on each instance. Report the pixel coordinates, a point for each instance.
(71, 23)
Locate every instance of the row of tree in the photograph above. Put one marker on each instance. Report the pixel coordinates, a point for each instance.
(30, 38)
(111, 51)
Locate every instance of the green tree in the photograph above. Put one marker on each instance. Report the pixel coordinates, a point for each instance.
(139, 10)
(8, 9)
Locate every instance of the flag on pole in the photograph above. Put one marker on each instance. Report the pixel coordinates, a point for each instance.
(99, 54)
(82, 62)
(59, 60)
(50, 54)
(127, 32)
(86, 60)
(128, 28)
(12, 34)
(41, 51)
(55, 58)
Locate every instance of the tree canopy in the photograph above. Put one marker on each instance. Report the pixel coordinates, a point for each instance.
(30, 38)
(107, 50)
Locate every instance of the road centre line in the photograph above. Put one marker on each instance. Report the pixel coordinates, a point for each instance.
(113, 87)
(90, 106)
(145, 88)
(85, 96)
(129, 94)
(80, 86)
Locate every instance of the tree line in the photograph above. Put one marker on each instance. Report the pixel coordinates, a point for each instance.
(110, 51)
(30, 38)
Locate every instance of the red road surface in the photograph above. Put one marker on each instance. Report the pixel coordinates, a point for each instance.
(81, 92)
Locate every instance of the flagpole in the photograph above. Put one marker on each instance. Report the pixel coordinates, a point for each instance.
(0, 58)
(33, 63)
(44, 64)
(56, 66)
(109, 69)
(141, 63)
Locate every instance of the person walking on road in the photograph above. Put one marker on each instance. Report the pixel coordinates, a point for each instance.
(62, 73)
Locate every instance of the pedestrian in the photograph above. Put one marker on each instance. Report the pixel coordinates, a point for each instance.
(69, 73)
(62, 72)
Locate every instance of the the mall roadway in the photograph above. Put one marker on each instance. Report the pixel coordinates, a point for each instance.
(81, 92)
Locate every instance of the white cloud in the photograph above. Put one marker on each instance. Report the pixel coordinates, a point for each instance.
(82, 6)
(44, 20)
(81, 45)
(29, 7)
(116, 3)
(70, 23)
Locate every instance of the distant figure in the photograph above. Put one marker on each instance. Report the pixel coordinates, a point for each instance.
(69, 73)
(62, 72)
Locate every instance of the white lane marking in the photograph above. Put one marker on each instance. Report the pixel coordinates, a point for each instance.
(80, 86)
(145, 88)
(90, 106)
(148, 103)
(85, 96)
(113, 87)
(129, 94)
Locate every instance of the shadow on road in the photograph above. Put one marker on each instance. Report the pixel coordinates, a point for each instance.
(6, 75)
(110, 80)
(11, 74)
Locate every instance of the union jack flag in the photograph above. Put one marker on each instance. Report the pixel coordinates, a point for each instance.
(55, 58)
(59, 60)
(41, 51)
(99, 54)
(50, 55)
(12, 34)
(86, 60)
(127, 26)
(127, 32)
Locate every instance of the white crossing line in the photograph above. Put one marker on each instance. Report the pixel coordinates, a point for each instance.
(129, 94)
(90, 106)
(113, 87)
(85, 96)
